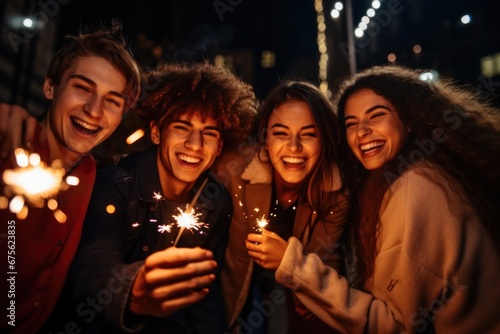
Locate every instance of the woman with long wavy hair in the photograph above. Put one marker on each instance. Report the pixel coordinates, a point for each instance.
(425, 184)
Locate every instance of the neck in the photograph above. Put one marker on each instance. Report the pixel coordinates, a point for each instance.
(172, 188)
(286, 193)
(173, 193)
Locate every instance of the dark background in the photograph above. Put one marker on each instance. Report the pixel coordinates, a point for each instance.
(194, 30)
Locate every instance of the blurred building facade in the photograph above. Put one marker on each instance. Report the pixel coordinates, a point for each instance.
(28, 34)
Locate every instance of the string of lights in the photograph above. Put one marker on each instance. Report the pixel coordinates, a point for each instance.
(323, 51)
(365, 20)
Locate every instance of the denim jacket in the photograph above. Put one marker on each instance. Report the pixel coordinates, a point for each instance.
(122, 228)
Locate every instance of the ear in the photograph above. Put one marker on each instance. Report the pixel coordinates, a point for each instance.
(219, 150)
(48, 89)
(155, 132)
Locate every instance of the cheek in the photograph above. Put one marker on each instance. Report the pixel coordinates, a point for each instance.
(214, 150)
(351, 139)
(399, 138)
(271, 146)
(114, 125)
(113, 120)
(397, 144)
(315, 148)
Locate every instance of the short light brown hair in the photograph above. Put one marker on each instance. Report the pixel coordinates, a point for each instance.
(105, 42)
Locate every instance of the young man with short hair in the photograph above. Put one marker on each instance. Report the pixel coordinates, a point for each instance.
(91, 82)
(194, 112)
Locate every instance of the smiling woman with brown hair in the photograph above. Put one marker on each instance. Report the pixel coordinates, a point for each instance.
(294, 183)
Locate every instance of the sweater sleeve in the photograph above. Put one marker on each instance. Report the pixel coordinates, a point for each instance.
(327, 294)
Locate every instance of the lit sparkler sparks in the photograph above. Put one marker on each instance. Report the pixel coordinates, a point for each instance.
(186, 219)
(261, 223)
(165, 228)
(34, 182)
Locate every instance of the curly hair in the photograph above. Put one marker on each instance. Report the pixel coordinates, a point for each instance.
(103, 41)
(170, 90)
(323, 173)
(466, 132)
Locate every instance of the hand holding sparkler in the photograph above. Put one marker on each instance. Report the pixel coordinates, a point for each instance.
(172, 279)
(266, 249)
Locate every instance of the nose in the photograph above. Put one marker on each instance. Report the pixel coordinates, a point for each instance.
(363, 129)
(93, 107)
(194, 141)
(294, 144)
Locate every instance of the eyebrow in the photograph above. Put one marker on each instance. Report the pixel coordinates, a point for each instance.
(369, 110)
(279, 125)
(188, 123)
(93, 84)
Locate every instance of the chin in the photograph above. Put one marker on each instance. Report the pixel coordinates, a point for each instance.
(295, 180)
(371, 166)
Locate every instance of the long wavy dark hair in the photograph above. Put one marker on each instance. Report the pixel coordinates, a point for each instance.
(315, 192)
(468, 131)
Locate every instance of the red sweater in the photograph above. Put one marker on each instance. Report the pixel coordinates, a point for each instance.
(42, 250)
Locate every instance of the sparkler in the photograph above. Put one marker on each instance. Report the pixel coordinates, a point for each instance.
(34, 182)
(261, 223)
(187, 218)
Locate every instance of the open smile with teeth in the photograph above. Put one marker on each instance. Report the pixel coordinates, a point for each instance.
(84, 126)
(371, 147)
(189, 159)
(293, 161)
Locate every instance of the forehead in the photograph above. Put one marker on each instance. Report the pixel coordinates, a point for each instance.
(292, 112)
(196, 117)
(364, 99)
(98, 70)
(90, 63)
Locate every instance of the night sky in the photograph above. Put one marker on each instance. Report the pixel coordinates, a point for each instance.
(193, 30)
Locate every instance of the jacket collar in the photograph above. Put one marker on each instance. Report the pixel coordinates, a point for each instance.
(147, 175)
(258, 172)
